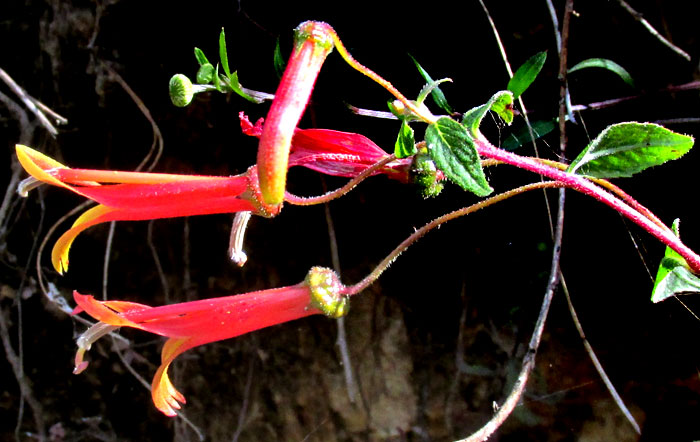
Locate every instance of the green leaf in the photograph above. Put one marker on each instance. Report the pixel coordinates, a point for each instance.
(673, 277)
(624, 149)
(605, 64)
(428, 88)
(201, 58)
(522, 135)
(526, 74)
(438, 95)
(453, 150)
(278, 59)
(223, 54)
(501, 103)
(405, 145)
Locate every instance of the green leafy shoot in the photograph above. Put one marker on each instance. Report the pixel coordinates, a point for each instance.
(223, 54)
(453, 151)
(673, 277)
(435, 91)
(605, 64)
(405, 145)
(278, 60)
(521, 135)
(201, 58)
(526, 74)
(624, 149)
(501, 103)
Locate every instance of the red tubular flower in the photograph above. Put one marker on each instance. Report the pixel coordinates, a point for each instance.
(139, 196)
(334, 152)
(313, 41)
(191, 324)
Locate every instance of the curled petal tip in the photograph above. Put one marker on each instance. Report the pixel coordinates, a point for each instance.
(80, 363)
(80, 368)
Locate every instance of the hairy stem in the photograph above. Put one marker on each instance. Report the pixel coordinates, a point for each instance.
(333, 194)
(583, 185)
(386, 262)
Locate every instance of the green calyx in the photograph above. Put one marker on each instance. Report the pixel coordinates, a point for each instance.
(325, 286)
(320, 33)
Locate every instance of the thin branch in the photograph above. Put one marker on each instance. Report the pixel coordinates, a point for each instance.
(156, 260)
(107, 258)
(34, 105)
(341, 340)
(157, 145)
(24, 386)
(640, 18)
(529, 360)
(596, 363)
(246, 398)
(531, 132)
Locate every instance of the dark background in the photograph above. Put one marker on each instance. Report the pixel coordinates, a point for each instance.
(466, 296)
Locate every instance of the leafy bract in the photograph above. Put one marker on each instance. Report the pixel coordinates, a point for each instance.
(624, 149)
(278, 60)
(405, 145)
(526, 74)
(605, 64)
(438, 95)
(201, 58)
(674, 277)
(501, 103)
(453, 150)
(223, 54)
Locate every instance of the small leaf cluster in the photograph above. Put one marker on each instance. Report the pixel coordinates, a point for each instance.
(208, 78)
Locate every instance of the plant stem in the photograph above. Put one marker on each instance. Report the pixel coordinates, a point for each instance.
(386, 262)
(428, 118)
(583, 185)
(333, 194)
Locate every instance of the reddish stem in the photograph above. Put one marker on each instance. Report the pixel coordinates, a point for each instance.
(583, 185)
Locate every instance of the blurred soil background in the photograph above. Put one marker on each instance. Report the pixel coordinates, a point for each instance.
(437, 342)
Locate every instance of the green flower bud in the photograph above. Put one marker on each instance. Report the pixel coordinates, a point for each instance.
(424, 174)
(205, 74)
(181, 90)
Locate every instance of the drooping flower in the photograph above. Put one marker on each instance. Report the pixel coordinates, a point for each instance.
(312, 43)
(334, 152)
(139, 196)
(190, 324)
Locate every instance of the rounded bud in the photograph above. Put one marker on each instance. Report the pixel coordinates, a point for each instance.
(325, 287)
(181, 90)
(424, 173)
(205, 74)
